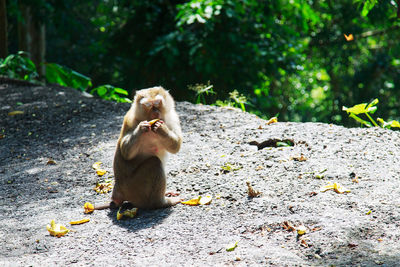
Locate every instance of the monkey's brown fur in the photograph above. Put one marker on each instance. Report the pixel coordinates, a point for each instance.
(142, 148)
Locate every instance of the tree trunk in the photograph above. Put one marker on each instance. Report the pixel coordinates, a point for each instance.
(3, 30)
(38, 46)
(32, 38)
(24, 39)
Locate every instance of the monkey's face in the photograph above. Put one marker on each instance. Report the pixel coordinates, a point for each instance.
(152, 106)
(153, 103)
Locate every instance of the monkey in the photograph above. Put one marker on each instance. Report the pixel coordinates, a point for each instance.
(150, 130)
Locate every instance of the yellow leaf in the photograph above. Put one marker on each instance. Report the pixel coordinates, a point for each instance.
(127, 213)
(79, 222)
(57, 230)
(96, 165)
(88, 207)
(15, 112)
(101, 172)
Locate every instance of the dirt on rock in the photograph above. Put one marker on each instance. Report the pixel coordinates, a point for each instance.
(222, 150)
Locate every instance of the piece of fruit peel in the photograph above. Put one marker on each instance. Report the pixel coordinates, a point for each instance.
(88, 207)
(130, 213)
(103, 188)
(206, 200)
(57, 230)
(336, 187)
(79, 221)
(153, 121)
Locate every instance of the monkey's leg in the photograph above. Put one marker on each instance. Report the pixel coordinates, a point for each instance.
(145, 188)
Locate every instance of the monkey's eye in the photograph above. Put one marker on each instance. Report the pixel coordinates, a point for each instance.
(147, 104)
(157, 103)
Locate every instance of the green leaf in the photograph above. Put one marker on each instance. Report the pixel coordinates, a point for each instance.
(64, 76)
(366, 123)
(121, 91)
(368, 5)
(389, 124)
(357, 109)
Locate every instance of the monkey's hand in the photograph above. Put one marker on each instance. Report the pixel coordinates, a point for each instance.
(160, 128)
(144, 126)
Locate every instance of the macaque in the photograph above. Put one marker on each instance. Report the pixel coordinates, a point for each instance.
(151, 128)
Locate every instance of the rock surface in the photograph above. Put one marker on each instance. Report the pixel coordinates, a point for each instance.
(361, 227)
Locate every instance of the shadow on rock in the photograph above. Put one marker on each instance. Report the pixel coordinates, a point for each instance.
(143, 219)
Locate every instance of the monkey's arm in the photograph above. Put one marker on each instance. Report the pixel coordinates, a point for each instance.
(129, 144)
(172, 139)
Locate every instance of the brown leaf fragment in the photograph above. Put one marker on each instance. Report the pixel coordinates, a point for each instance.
(312, 194)
(288, 226)
(316, 229)
(352, 245)
(303, 243)
(251, 192)
(51, 161)
(300, 158)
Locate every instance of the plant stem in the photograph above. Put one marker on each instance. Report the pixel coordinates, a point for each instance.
(371, 119)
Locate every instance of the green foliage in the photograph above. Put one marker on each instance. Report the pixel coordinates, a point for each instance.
(288, 56)
(235, 100)
(201, 91)
(368, 5)
(367, 109)
(109, 92)
(18, 66)
(65, 76)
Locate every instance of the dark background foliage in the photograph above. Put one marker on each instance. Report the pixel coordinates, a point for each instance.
(288, 57)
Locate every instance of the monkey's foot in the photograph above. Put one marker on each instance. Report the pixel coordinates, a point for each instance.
(173, 200)
(172, 194)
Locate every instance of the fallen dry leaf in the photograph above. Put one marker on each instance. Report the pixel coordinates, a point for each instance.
(301, 158)
(288, 226)
(57, 230)
(304, 243)
(251, 192)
